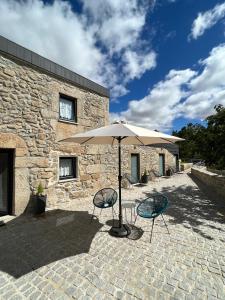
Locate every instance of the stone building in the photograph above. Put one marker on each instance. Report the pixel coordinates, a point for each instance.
(42, 102)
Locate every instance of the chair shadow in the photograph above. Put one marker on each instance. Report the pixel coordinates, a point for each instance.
(136, 232)
(140, 185)
(112, 222)
(28, 243)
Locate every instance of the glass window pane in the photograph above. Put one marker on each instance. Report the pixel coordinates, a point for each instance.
(66, 109)
(67, 167)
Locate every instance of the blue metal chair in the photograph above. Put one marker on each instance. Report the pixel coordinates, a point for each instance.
(152, 207)
(105, 198)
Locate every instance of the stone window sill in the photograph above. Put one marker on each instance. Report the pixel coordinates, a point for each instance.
(68, 122)
(68, 180)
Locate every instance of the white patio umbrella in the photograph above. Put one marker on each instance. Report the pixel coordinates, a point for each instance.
(122, 134)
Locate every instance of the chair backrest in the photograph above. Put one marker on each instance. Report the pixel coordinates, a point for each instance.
(104, 198)
(130, 178)
(152, 206)
(156, 173)
(160, 202)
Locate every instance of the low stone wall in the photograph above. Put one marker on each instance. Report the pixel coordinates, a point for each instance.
(185, 166)
(214, 181)
(219, 172)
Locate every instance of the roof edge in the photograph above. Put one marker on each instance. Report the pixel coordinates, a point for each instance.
(33, 59)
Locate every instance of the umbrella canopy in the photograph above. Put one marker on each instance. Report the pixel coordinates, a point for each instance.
(117, 134)
(133, 135)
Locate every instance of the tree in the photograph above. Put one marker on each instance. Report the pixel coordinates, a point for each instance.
(206, 143)
(191, 147)
(214, 151)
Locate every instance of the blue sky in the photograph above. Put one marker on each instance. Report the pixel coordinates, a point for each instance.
(163, 60)
(170, 25)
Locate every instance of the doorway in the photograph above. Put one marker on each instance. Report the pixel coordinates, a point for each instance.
(135, 166)
(6, 181)
(161, 164)
(177, 162)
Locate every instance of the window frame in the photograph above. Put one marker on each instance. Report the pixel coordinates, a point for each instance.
(74, 108)
(74, 176)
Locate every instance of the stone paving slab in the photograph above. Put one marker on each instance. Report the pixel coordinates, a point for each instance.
(63, 256)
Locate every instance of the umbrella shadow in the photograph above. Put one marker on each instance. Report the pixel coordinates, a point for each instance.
(28, 243)
(135, 232)
(195, 207)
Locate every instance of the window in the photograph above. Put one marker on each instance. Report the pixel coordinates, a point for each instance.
(67, 108)
(67, 167)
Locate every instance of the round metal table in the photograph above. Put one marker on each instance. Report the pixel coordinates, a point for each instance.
(131, 208)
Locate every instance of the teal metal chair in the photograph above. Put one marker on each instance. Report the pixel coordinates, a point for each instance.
(151, 208)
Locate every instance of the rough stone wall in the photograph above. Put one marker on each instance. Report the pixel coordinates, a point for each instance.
(219, 172)
(96, 169)
(149, 158)
(213, 180)
(29, 110)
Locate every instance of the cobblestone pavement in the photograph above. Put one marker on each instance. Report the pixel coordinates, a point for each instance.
(62, 256)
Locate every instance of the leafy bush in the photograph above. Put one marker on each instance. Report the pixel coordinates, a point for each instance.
(205, 142)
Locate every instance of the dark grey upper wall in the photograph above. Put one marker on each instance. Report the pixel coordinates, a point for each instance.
(33, 59)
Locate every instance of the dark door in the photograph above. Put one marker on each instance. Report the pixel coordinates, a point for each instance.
(6, 181)
(177, 162)
(161, 164)
(135, 167)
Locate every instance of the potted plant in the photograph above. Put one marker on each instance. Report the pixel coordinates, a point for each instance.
(144, 178)
(40, 200)
(169, 172)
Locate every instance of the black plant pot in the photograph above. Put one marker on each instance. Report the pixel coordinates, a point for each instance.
(144, 179)
(168, 172)
(40, 204)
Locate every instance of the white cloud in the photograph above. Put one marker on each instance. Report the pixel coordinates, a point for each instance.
(92, 43)
(119, 23)
(200, 105)
(213, 71)
(208, 88)
(114, 117)
(183, 93)
(53, 31)
(206, 20)
(135, 65)
(118, 90)
(158, 109)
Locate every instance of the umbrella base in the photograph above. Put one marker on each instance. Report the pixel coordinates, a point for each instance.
(122, 231)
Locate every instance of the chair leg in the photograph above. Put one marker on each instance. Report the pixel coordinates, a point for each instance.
(114, 211)
(135, 218)
(113, 216)
(153, 220)
(126, 215)
(165, 224)
(131, 216)
(92, 217)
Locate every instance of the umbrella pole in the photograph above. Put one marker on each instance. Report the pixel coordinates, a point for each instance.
(122, 230)
(120, 183)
